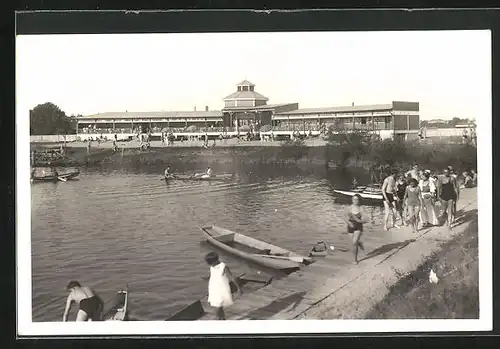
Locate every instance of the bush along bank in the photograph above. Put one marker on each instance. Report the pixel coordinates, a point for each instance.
(297, 154)
(361, 148)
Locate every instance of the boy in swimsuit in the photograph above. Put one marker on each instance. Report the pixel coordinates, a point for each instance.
(355, 217)
(388, 192)
(91, 305)
(448, 194)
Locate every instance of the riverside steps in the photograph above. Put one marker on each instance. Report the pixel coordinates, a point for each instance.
(332, 289)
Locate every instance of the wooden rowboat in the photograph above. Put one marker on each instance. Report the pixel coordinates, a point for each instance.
(201, 177)
(253, 250)
(53, 178)
(119, 311)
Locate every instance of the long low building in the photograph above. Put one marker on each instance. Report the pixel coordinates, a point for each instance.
(246, 110)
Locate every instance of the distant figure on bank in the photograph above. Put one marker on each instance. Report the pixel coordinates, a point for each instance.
(89, 146)
(355, 217)
(428, 194)
(388, 192)
(474, 177)
(91, 305)
(467, 180)
(413, 201)
(414, 172)
(219, 287)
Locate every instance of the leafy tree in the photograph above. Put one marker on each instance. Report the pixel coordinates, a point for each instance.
(49, 119)
(351, 143)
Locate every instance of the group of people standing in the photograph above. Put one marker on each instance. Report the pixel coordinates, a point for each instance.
(412, 198)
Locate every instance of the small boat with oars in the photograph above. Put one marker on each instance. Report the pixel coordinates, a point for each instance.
(253, 250)
(55, 177)
(200, 177)
(119, 310)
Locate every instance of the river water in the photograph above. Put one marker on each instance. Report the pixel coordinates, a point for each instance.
(113, 228)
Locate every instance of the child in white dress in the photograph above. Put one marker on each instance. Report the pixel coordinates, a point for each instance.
(219, 288)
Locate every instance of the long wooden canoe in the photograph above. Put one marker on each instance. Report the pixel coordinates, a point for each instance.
(201, 177)
(119, 312)
(253, 250)
(53, 178)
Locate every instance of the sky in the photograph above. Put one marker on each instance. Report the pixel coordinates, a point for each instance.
(448, 72)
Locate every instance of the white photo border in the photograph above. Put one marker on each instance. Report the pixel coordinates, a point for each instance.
(26, 327)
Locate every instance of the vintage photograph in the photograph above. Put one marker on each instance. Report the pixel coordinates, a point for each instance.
(203, 178)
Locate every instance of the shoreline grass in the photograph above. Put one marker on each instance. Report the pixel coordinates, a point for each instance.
(455, 296)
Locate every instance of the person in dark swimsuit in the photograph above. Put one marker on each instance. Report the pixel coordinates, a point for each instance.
(448, 194)
(400, 202)
(388, 191)
(355, 217)
(90, 304)
(413, 203)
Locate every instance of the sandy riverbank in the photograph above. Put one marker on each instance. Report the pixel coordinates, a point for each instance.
(361, 291)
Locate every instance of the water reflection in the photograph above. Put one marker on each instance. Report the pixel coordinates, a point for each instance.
(128, 226)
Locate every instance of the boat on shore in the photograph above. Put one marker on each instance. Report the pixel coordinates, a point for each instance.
(369, 195)
(119, 310)
(55, 178)
(253, 250)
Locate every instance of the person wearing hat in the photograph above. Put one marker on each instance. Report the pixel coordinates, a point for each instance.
(427, 191)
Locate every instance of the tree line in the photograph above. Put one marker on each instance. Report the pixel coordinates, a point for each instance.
(49, 119)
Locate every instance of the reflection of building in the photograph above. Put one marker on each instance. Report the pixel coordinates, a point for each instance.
(246, 109)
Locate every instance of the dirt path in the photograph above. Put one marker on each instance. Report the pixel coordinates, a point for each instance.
(354, 296)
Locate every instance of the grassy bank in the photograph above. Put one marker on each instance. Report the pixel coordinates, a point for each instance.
(435, 156)
(342, 155)
(455, 296)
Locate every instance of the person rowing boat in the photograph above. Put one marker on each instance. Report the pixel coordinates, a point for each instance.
(169, 174)
(208, 173)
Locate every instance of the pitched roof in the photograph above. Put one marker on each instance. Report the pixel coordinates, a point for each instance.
(245, 83)
(357, 108)
(154, 115)
(246, 94)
